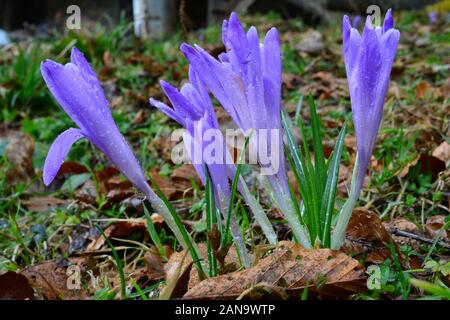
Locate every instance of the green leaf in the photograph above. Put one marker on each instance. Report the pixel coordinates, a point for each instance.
(118, 264)
(75, 181)
(431, 288)
(153, 233)
(319, 157)
(233, 192)
(182, 229)
(211, 219)
(329, 195)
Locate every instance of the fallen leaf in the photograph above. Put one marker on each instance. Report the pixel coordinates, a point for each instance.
(291, 267)
(403, 224)
(119, 229)
(434, 225)
(140, 116)
(366, 235)
(72, 167)
(14, 286)
(43, 203)
(264, 291)
(422, 89)
(426, 164)
(290, 80)
(50, 279)
(19, 149)
(442, 152)
(155, 266)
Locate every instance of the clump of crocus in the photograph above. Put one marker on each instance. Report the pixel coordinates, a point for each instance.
(193, 109)
(246, 80)
(368, 63)
(76, 88)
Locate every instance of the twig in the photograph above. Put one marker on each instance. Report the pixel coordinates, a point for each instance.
(414, 236)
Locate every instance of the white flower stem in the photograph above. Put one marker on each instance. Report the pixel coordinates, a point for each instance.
(258, 212)
(287, 207)
(338, 236)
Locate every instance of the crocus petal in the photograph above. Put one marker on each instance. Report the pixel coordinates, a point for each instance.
(272, 67)
(346, 27)
(181, 105)
(237, 44)
(388, 21)
(80, 100)
(224, 32)
(368, 62)
(255, 89)
(58, 152)
(167, 110)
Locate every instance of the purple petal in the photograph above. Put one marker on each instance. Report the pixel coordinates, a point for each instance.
(388, 21)
(167, 111)
(85, 105)
(237, 40)
(77, 58)
(224, 32)
(182, 106)
(351, 49)
(346, 27)
(58, 152)
(255, 89)
(272, 70)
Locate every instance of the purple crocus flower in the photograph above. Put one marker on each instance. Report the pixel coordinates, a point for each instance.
(192, 109)
(368, 62)
(246, 81)
(433, 17)
(78, 91)
(76, 88)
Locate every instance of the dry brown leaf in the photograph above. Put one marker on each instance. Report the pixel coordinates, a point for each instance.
(14, 286)
(422, 89)
(87, 193)
(403, 224)
(291, 267)
(367, 235)
(155, 266)
(121, 229)
(19, 152)
(434, 225)
(43, 203)
(291, 81)
(442, 152)
(72, 167)
(231, 263)
(50, 279)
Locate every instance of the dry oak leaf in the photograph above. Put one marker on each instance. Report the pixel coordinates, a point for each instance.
(291, 267)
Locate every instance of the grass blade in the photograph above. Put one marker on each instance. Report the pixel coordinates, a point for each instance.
(431, 288)
(319, 157)
(211, 219)
(153, 233)
(233, 191)
(187, 238)
(118, 264)
(329, 194)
